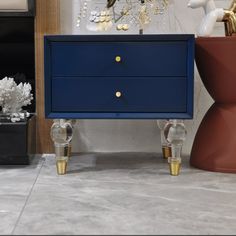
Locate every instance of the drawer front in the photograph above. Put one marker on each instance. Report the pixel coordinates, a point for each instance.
(161, 58)
(149, 94)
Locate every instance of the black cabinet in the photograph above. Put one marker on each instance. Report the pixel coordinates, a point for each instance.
(17, 60)
(17, 142)
(29, 13)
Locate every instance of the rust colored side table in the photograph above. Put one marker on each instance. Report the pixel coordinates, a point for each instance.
(214, 147)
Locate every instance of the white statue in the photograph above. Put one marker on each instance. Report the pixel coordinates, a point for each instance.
(212, 15)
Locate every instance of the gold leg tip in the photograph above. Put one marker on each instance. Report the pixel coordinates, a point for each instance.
(61, 167)
(175, 168)
(166, 152)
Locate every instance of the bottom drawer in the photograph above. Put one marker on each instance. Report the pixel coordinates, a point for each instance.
(151, 94)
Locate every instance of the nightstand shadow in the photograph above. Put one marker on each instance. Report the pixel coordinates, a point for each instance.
(136, 162)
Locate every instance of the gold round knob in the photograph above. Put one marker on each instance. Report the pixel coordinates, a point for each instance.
(118, 94)
(118, 59)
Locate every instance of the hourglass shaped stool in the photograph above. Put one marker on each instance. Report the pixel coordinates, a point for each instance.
(214, 147)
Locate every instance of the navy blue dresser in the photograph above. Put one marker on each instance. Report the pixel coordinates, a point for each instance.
(119, 76)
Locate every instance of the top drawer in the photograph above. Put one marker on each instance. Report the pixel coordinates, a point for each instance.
(160, 58)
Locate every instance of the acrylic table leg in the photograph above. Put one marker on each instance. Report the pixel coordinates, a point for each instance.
(69, 147)
(165, 145)
(61, 158)
(61, 134)
(175, 135)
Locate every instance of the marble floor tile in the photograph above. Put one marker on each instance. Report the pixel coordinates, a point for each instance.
(16, 183)
(127, 194)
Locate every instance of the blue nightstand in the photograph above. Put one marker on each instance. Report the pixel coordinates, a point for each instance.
(119, 76)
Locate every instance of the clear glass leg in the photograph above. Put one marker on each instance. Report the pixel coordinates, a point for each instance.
(165, 145)
(69, 147)
(61, 158)
(175, 135)
(61, 134)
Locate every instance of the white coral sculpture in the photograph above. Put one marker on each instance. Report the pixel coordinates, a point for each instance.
(13, 97)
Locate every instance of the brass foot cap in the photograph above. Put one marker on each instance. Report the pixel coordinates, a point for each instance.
(61, 167)
(166, 152)
(175, 168)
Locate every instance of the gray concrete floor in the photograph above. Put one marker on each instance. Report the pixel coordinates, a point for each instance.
(116, 194)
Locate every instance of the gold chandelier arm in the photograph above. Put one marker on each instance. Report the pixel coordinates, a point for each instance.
(110, 3)
(233, 6)
(230, 19)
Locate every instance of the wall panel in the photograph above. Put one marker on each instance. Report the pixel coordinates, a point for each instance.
(47, 22)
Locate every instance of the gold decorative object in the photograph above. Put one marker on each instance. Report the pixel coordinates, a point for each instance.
(138, 14)
(125, 27)
(230, 20)
(119, 27)
(143, 16)
(174, 165)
